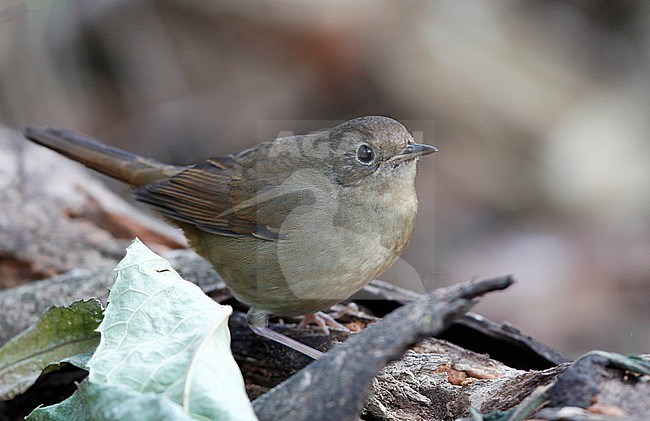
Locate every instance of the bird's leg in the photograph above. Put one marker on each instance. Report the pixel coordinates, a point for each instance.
(323, 320)
(349, 308)
(258, 322)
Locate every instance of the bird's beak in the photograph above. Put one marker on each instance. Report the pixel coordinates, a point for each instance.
(413, 150)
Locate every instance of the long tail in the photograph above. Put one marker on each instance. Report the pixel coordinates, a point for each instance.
(125, 166)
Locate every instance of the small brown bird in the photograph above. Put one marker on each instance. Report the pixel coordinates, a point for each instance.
(294, 225)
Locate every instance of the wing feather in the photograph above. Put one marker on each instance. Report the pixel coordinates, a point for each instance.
(222, 197)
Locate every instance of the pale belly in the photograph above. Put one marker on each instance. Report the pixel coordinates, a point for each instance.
(326, 256)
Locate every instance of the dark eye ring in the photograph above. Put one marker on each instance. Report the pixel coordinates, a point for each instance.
(365, 154)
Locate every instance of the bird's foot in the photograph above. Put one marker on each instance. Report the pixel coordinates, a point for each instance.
(322, 320)
(342, 310)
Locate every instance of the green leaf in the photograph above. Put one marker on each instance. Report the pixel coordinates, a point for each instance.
(109, 402)
(60, 334)
(162, 334)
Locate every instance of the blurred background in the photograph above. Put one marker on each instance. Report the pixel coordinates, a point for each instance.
(540, 110)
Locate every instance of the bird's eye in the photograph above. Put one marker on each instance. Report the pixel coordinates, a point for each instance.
(365, 154)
